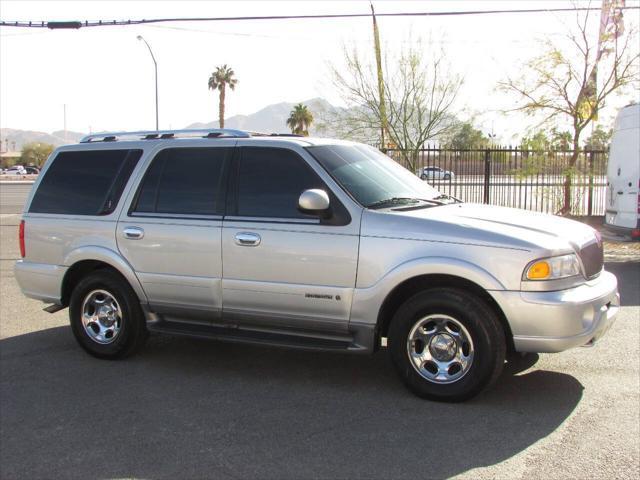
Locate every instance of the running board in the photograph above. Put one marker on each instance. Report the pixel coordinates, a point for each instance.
(240, 335)
(54, 308)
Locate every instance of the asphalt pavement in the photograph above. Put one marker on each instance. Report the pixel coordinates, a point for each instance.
(13, 195)
(186, 408)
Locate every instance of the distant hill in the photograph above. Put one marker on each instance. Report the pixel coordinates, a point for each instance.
(20, 137)
(270, 119)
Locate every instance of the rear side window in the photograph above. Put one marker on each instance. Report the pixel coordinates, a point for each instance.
(270, 181)
(85, 182)
(184, 181)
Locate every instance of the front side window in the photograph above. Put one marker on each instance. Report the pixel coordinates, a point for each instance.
(270, 181)
(369, 175)
(85, 182)
(184, 181)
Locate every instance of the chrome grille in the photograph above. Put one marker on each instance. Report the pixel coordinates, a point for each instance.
(592, 257)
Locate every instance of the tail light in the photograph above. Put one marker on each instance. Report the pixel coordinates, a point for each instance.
(21, 238)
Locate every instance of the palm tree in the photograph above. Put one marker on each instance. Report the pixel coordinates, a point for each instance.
(300, 119)
(219, 80)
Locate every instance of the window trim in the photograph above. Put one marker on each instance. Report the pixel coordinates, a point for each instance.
(185, 216)
(232, 213)
(220, 196)
(105, 210)
(301, 221)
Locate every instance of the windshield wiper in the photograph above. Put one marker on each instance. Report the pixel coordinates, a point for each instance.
(444, 196)
(389, 202)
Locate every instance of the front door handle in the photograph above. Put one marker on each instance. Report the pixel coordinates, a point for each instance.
(133, 233)
(247, 239)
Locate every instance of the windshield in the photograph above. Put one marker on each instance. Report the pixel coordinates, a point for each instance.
(370, 176)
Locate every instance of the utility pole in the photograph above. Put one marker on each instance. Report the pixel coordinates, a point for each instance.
(382, 107)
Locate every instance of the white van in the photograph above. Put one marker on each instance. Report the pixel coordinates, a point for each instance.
(623, 176)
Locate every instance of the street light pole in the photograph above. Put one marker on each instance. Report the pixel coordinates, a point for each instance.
(155, 64)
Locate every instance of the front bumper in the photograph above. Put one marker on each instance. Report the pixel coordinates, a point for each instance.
(548, 322)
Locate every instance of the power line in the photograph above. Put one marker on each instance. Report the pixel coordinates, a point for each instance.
(76, 24)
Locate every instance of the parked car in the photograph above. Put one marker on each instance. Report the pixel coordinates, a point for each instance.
(312, 243)
(15, 170)
(623, 176)
(435, 173)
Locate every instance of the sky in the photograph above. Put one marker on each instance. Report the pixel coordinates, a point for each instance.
(105, 76)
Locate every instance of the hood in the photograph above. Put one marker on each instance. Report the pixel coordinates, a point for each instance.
(481, 225)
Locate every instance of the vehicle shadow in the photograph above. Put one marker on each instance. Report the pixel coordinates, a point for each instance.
(628, 274)
(192, 408)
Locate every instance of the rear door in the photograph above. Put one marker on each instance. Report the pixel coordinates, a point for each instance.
(283, 268)
(171, 233)
(624, 170)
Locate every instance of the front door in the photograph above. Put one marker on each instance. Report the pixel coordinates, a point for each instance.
(284, 268)
(171, 234)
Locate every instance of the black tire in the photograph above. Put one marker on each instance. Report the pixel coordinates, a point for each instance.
(480, 322)
(519, 362)
(423, 177)
(132, 332)
(447, 176)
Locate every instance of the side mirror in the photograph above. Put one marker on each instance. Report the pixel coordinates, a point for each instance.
(314, 201)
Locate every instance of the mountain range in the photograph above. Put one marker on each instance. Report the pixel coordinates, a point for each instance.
(270, 119)
(13, 139)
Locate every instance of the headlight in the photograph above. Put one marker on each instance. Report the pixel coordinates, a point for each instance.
(552, 268)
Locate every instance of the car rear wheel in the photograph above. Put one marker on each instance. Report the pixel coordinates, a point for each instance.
(423, 176)
(447, 344)
(106, 317)
(447, 176)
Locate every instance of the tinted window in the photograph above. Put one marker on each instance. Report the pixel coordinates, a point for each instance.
(270, 181)
(185, 181)
(85, 183)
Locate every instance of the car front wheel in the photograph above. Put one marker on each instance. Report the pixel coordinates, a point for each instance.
(447, 344)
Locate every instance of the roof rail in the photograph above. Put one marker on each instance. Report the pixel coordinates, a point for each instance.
(263, 134)
(165, 134)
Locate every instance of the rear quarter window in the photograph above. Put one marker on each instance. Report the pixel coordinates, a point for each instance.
(85, 182)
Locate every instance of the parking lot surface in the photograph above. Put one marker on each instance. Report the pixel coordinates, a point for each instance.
(13, 195)
(186, 408)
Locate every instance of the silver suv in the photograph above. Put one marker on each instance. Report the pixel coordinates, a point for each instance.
(304, 242)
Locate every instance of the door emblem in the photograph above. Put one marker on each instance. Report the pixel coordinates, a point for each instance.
(321, 296)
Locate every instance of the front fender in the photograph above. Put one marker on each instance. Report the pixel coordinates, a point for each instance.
(111, 258)
(368, 301)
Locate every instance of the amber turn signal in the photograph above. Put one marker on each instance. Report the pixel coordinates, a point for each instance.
(539, 270)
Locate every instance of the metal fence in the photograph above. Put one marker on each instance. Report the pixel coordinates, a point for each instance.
(515, 177)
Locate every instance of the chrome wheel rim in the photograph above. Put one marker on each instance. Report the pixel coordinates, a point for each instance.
(101, 317)
(440, 349)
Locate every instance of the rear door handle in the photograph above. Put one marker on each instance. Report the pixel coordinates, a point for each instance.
(247, 239)
(133, 233)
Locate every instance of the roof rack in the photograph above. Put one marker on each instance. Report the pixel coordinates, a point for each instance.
(166, 134)
(262, 134)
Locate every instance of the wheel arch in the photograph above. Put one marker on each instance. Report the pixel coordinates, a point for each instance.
(88, 259)
(409, 287)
